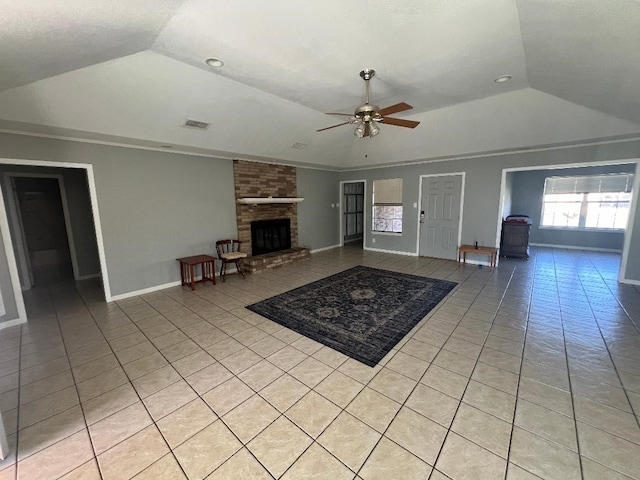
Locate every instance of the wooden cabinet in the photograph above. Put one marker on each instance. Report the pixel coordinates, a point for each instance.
(515, 239)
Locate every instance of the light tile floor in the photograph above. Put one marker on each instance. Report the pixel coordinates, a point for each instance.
(528, 371)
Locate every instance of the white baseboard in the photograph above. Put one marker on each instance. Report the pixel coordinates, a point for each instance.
(144, 291)
(629, 281)
(380, 250)
(571, 247)
(88, 277)
(12, 323)
(324, 248)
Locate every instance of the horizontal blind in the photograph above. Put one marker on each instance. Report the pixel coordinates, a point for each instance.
(387, 192)
(589, 184)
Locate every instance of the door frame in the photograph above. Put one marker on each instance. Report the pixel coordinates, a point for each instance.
(13, 210)
(93, 197)
(342, 207)
(460, 213)
(622, 273)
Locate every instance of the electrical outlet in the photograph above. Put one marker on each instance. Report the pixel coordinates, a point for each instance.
(373, 240)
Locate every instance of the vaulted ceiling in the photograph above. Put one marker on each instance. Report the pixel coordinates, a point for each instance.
(132, 71)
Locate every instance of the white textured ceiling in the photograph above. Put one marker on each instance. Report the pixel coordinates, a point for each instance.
(132, 71)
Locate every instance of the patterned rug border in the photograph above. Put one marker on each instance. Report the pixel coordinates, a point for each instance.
(274, 308)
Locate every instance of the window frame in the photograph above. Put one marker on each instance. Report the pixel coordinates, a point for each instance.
(392, 197)
(580, 187)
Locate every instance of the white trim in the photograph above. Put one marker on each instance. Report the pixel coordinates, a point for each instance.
(13, 267)
(500, 153)
(12, 323)
(98, 226)
(94, 209)
(364, 212)
(261, 200)
(14, 216)
(325, 248)
(65, 213)
(576, 247)
(630, 282)
(395, 252)
(622, 273)
(136, 293)
(460, 213)
(234, 156)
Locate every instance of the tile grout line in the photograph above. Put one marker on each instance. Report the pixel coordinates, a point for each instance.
(524, 344)
(566, 356)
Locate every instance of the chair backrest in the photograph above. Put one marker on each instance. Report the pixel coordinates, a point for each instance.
(227, 246)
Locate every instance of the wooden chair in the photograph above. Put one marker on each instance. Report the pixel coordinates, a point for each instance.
(229, 252)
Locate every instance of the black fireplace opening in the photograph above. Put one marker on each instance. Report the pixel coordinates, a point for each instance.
(270, 236)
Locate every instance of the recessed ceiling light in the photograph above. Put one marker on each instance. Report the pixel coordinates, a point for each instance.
(503, 78)
(214, 62)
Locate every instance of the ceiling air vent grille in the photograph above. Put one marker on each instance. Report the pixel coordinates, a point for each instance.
(196, 124)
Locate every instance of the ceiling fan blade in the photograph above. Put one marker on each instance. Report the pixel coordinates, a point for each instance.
(333, 126)
(400, 122)
(340, 114)
(398, 107)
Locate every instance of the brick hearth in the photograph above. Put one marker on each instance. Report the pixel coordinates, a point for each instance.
(253, 179)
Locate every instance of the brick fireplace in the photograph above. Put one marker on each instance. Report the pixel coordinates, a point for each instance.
(253, 179)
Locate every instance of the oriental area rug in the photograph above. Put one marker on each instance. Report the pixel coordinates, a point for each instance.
(362, 312)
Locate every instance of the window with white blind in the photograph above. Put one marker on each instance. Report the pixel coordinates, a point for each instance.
(588, 202)
(387, 205)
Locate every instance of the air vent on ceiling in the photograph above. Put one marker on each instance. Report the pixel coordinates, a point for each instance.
(196, 124)
(299, 146)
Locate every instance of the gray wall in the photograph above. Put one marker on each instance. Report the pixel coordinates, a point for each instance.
(154, 206)
(158, 206)
(527, 199)
(318, 222)
(482, 190)
(507, 198)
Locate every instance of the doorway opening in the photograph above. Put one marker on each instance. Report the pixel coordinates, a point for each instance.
(45, 229)
(51, 227)
(353, 215)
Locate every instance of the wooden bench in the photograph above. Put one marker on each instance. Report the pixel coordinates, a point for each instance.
(491, 251)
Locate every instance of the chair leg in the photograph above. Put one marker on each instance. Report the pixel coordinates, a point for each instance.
(239, 268)
(223, 270)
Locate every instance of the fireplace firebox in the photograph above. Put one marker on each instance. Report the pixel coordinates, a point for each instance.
(270, 236)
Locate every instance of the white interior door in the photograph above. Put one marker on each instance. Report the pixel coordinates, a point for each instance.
(440, 216)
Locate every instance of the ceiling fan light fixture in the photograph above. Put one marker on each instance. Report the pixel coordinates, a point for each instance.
(373, 129)
(359, 130)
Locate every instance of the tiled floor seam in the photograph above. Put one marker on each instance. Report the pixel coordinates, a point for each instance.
(403, 404)
(435, 462)
(606, 345)
(524, 343)
(153, 422)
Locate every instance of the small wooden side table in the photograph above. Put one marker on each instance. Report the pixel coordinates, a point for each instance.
(491, 251)
(187, 271)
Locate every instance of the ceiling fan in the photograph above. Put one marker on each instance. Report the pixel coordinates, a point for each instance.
(366, 117)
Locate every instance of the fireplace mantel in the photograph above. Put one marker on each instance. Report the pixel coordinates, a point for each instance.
(260, 200)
